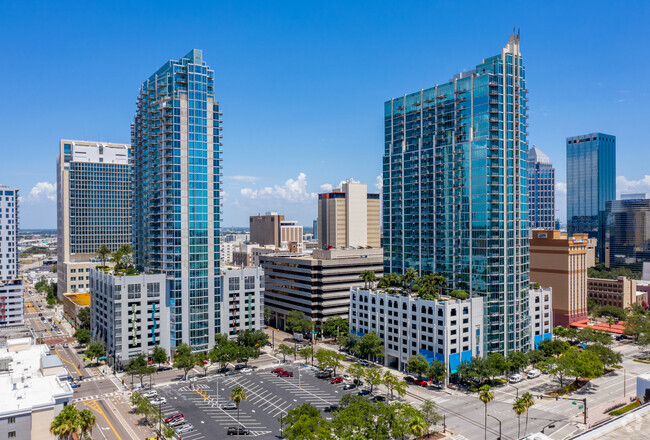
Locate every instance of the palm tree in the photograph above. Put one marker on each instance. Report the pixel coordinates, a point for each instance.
(86, 423)
(66, 422)
(486, 397)
(610, 322)
(529, 401)
(238, 395)
(439, 282)
(419, 427)
(409, 277)
(519, 407)
(103, 252)
(368, 277)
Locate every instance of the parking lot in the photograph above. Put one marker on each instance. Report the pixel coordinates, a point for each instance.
(268, 398)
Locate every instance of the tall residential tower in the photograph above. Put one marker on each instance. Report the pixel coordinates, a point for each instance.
(455, 190)
(177, 203)
(11, 287)
(541, 190)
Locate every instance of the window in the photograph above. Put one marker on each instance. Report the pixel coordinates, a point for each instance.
(249, 283)
(11, 434)
(11, 420)
(233, 284)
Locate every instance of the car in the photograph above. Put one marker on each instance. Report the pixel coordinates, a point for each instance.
(223, 370)
(240, 366)
(349, 386)
(65, 345)
(238, 430)
(422, 383)
(42, 318)
(185, 428)
(331, 408)
(364, 393)
(285, 374)
(230, 373)
(229, 405)
(409, 379)
(158, 401)
(164, 368)
(246, 370)
(516, 378)
(323, 375)
(244, 360)
(533, 373)
(40, 314)
(75, 385)
(337, 380)
(364, 363)
(69, 378)
(357, 382)
(149, 394)
(379, 398)
(51, 347)
(174, 417)
(176, 423)
(277, 370)
(346, 377)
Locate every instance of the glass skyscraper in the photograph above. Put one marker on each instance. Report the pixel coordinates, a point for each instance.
(626, 232)
(455, 190)
(591, 181)
(177, 204)
(541, 190)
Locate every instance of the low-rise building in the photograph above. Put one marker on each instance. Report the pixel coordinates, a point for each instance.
(242, 307)
(72, 304)
(448, 330)
(540, 306)
(129, 315)
(11, 303)
(619, 292)
(33, 388)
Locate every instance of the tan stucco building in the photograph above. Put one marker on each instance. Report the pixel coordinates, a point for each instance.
(621, 292)
(560, 262)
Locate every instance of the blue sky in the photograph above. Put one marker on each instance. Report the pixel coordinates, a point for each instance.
(302, 84)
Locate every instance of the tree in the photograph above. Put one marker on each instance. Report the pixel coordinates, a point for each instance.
(142, 406)
(590, 335)
(373, 377)
(84, 317)
(390, 382)
(357, 371)
(528, 402)
(497, 363)
(95, 350)
(54, 268)
(606, 355)
(297, 322)
(238, 395)
(304, 422)
(389, 280)
(306, 353)
(516, 361)
(519, 407)
(587, 364)
(184, 358)
(203, 361)
(535, 357)
(139, 367)
(409, 277)
(553, 347)
(159, 355)
(252, 338)
(370, 345)
(417, 364)
(335, 326)
(224, 351)
(102, 253)
(83, 336)
(65, 423)
(459, 294)
(350, 341)
(284, 351)
(267, 315)
(86, 423)
(486, 396)
(436, 371)
(368, 277)
(430, 414)
(329, 359)
(439, 282)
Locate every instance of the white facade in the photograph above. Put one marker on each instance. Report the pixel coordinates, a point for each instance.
(242, 307)
(448, 330)
(11, 288)
(227, 249)
(357, 213)
(129, 315)
(290, 232)
(540, 306)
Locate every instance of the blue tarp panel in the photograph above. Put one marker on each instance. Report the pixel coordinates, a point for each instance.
(359, 334)
(427, 354)
(440, 357)
(466, 356)
(548, 335)
(538, 339)
(454, 361)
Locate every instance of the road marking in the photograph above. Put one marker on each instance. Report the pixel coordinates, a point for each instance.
(94, 405)
(65, 360)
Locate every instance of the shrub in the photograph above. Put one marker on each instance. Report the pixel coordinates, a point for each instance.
(626, 408)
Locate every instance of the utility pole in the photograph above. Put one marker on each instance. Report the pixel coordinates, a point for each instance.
(490, 415)
(585, 404)
(624, 383)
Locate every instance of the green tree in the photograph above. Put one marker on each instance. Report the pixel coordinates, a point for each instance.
(184, 359)
(516, 361)
(430, 414)
(159, 355)
(305, 422)
(409, 277)
(102, 254)
(486, 396)
(417, 364)
(71, 421)
(370, 345)
(224, 351)
(139, 367)
(349, 341)
(459, 294)
(389, 280)
(284, 351)
(83, 336)
(368, 277)
(335, 326)
(94, 351)
(535, 357)
(373, 377)
(360, 419)
(267, 315)
(553, 347)
(86, 420)
(389, 380)
(529, 401)
(590, 335)
(84, 318)
(436, 371)
(238, 395)
(202, 360)
(306, 353)
(497, 363)
(606, 355)
(587, 365)
(329, 359)
(252, 338)
(519, 407)
(297, 322)
(357, 371)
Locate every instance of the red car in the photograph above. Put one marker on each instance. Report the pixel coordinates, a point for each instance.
(285, 374)
(277, 370)
(174, 417)
(337, 380)
(422, 383)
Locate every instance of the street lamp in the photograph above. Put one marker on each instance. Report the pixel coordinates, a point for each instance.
(490, 415)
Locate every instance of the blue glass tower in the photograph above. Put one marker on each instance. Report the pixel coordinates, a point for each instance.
(177, 208)
(541, 190)
(455, 190)
(591, 181)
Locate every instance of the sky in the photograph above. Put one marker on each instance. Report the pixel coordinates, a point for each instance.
(302, 84)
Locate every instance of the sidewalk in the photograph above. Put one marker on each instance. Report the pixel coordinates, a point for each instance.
(599, 413)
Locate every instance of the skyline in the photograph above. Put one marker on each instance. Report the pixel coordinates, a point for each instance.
(295, 122)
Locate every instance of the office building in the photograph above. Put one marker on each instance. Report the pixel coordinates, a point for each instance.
(177, 193)
(272, 229)
(11, 287)
(541, 190)
(626, 232)
(455, 189)
(559, 261)
(315, 229)
(349, 217)
(34, 390)
(129, 315)
(591, 181)
(291, 236)
(243, 304)
(541, 313)
(94, 200)
(621, 292)
(318, 284)
(448, 330)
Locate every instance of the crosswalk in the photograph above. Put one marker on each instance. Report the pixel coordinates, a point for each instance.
(98, 396)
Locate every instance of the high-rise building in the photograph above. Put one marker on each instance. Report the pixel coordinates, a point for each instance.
(560, 262)
(243, 304)
(11, 287)
(455, 189)
(177, 203)
(626, 235)
(315, 229)
(94, 201)
(349, 217)
(265, 229)
(541, 190)
(591, 181)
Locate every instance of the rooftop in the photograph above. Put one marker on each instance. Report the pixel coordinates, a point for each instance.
(80, 299)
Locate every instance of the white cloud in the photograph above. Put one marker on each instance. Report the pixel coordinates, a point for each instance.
(326, 187)
(247, 179)
(291, 191)
(626, 186)
(42, 191)
(379, 183)
(560, 188)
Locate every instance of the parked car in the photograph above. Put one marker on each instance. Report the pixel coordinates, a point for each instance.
(246, 370)
(229, 406)
(409, 379)
(164, 368)
(533, 373)
(158, 401)
(323, 374)
(185, 428)
(379, 398)
(277, 370)
(176, 423)
(75, 385)
(174, 417)
(331, 408)
(364, 393)
(230, 373)
(337, 380)
(51, 347)
(422, 383)
(223, 370)
(65, 345)
(238, 430)
(357, 382)
(150, 394)
(364, 363)
(240, 366)
(516, 378)
(349, 386)
(285, 374)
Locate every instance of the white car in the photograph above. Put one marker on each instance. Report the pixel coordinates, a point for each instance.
(516, 378)
(150, 394)
(159, 401)
(533, 373)
(246, 370)
(176, 423)
(185, 428)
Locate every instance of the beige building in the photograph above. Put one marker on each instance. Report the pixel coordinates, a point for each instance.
(93, 207)
(349, 217)
(560, 262)
(591, 252)
(272, 229)
(621, 292)
(318, 284)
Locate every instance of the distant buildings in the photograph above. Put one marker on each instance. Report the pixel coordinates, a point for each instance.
(541, 190)
(455, 189)
(626, 232)
(272, 229)
(93, 207)
(177, 193)
(11, 287)
(591, 181)
(318, 284)
(621, 292)
(348, 217)
(242, 307)
(560, 262)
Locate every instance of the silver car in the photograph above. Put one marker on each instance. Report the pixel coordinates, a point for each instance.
(185, 428)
